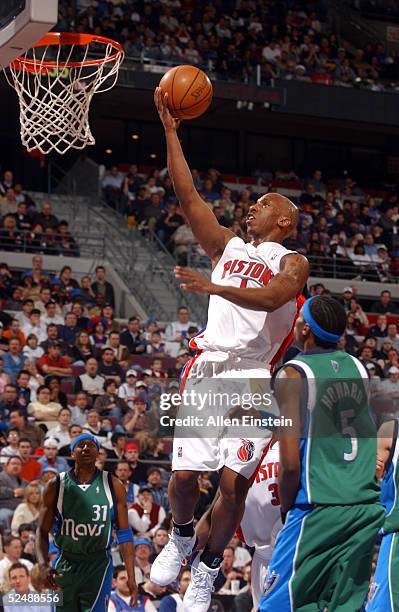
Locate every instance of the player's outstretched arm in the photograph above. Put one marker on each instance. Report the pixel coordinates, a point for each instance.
(125, 539)
(288, 391)
(45, 525)
(384, 444)
(211, 236)
(286, 285)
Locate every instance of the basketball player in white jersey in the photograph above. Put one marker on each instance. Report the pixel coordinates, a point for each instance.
(252, 310)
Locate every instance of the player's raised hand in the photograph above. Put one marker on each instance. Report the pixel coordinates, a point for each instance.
(194, 281)
(161, 103)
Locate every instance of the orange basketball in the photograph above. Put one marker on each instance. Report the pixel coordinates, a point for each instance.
(189, 91)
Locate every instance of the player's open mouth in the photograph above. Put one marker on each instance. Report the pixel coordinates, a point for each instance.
(250, 217)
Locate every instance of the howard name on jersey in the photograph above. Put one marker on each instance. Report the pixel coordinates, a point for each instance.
(255, 335)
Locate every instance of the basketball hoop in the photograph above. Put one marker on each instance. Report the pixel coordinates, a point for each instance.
(55, 82)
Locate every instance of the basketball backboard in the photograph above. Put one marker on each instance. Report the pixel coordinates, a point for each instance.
(22, 24)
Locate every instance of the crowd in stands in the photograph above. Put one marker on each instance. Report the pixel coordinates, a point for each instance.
(232, 38)
(345, 231)
(25, 228)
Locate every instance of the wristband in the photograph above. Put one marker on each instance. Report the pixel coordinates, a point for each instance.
(124, 535)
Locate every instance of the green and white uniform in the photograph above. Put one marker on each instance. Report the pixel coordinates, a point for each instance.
(85, 515)
(323, 554)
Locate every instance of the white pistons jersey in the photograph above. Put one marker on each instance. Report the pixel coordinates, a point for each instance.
(249, 334)
(262, 506)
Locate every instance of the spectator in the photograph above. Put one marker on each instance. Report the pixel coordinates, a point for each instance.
(123, 472)
(31, 468)
(172, 603)
(121, 353)
(177, 331)
(131, 453)
(104, 287)
(61, 431)
(157, 488)
(93, 424)
(51, 315)
(156, 346)
(46, 218)
(99, 339)
(109, 404)
(82, 350)
(379, 330)
(31, 350)
(120, 595)
(79, 410)
(8, 402)
(52, 337)
(145, 517)
(53, 363)
(12, 555)
(390, 387)
(160, 539)
(35, 379)
(127, 391)
(43, 409)
(133, 338)
(24, 316)
(23, 390)
(11, 450)
(385, 304)
(183, 239)
(69, 331)
(112, 187)
(34, 434)
(14, 360)
(108, 367)
(27, 511)
(35, 326)
(50, 457)
(90, 381)
(14, 332)
(136, 419)
(11, 490)
(393, 336)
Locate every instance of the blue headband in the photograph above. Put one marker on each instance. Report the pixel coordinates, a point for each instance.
(84, 436)
(318, 331)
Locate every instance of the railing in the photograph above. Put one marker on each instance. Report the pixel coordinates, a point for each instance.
(320, 266)
(162, 263)
(25, 241)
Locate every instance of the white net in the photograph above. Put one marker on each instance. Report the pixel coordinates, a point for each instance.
(55, 84)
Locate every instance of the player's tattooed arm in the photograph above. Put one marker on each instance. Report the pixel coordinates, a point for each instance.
(384, 445)
(211, 236)
(45, 525)
(286, 285)
(288, 391)
(126, 548)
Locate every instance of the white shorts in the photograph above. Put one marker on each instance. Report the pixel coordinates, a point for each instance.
(202, 453)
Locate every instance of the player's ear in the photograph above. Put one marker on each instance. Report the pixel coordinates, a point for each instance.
(284, 222)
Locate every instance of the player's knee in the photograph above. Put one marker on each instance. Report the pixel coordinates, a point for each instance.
(185, 482)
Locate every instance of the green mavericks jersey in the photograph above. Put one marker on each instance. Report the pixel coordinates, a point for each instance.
(339, 439)
(84, 514)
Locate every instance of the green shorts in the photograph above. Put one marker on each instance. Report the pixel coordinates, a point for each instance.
(85, 581)
(322, 559)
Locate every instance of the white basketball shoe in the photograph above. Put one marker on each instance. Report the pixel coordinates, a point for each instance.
(166, 566)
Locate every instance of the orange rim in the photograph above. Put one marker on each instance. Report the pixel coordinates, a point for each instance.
(67, 38)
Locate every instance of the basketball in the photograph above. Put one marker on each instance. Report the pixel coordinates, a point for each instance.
(189, 91)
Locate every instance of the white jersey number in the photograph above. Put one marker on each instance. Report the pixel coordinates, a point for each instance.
(348, 430)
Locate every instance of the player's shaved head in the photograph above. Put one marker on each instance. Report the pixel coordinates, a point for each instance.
(273, 217)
